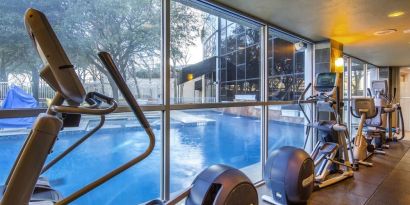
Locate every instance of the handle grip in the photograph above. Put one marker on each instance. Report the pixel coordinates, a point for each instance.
(302, 96)
(108, 62)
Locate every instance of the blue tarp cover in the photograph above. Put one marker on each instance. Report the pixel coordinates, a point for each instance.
(18, 98)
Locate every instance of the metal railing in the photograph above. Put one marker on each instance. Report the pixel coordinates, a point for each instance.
(44, 91)
(144, 90)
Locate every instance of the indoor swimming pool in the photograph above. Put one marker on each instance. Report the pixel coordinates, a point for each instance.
(222, 138)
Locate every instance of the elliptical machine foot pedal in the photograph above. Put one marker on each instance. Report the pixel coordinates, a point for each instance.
(367, 164)
(328, 147)
(376, 151)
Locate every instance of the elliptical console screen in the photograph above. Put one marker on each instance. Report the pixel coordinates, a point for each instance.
(325, 82)
(54, 57)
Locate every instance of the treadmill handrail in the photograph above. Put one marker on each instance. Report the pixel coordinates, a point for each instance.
(132, 102)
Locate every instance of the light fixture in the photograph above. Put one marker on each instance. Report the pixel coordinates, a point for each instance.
(339, 64)
(190, 76)
(395, 14)
(407, 31)
(300, 46)
(384, 32)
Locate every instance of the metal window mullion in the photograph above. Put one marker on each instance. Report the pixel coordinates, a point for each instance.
(218, 62)
(165, 114)
(310, 75)
(349, 92)
(377, 73)
(264, 96)
(365, 80)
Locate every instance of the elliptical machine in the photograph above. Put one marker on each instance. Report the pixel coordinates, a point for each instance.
(290, 173)
(332, 137)
(384, 101)
(217, 184)
(24, 184)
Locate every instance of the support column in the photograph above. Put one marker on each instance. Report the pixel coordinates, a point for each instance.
(326, 55)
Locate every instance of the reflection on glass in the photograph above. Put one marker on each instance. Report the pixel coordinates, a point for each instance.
(216, 51)
(372, 74)
(120, 139)
(130, 32)
(345, 76)
(384, 74)
(286, 67)
(357, 78)
(286, 126)
(200, 138)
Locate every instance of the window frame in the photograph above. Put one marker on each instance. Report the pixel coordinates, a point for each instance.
(165, 106)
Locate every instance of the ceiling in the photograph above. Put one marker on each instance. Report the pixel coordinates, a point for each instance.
(351, 22)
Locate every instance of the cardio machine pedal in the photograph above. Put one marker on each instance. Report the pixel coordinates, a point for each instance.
(328, 148)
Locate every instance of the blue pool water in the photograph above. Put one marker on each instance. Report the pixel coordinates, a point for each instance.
(229, 139)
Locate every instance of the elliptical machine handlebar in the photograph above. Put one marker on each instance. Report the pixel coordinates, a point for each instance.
(368, 117)
(95, 99)
(392, 98)
(92, 98)
(108, 62)
(120, 82)
(369, 92)
(302, 96)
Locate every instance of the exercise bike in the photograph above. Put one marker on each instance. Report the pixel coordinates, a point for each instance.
(365, 109)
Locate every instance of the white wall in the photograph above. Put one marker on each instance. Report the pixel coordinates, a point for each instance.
(405, 96)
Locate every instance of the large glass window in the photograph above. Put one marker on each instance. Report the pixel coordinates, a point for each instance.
(200, 138)
(372, 74)
(121, 139)
(84, 28)
(286, 66)
(384, 74)
(286, 126)
(216, 59)
(357, 78)
(131, 31)
(346, 90)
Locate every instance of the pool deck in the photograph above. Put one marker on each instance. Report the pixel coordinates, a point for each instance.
(187, 118)
(89, 122)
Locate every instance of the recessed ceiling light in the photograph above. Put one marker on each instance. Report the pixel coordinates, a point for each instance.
(407, 31)
(384, 32)
(395, 14)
